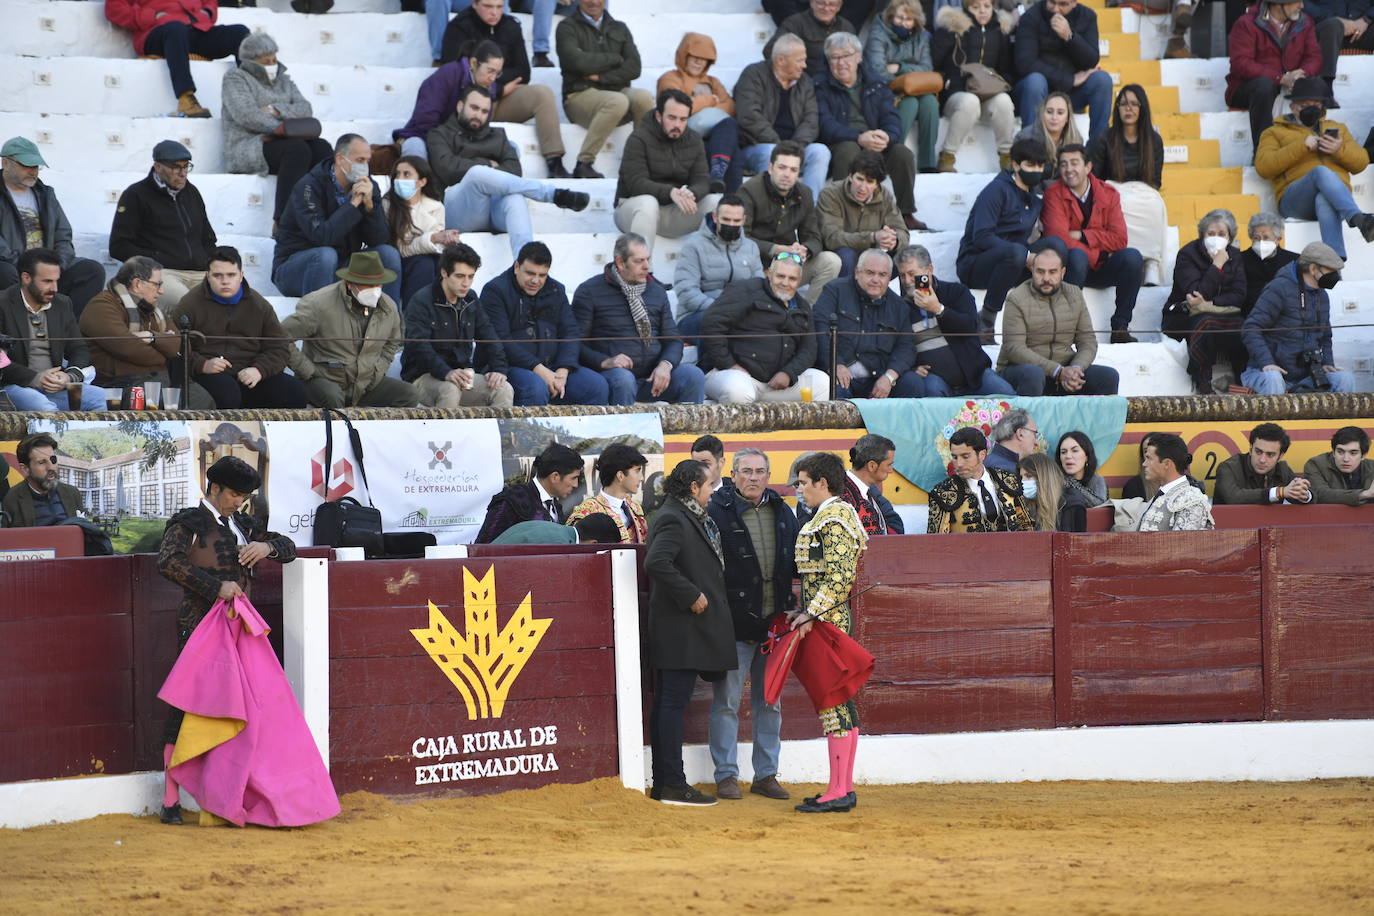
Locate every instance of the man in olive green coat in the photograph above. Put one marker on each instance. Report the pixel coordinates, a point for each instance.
(331, 321)
(1343, 475)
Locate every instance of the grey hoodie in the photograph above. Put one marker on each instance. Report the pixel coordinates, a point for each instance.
(705, 265)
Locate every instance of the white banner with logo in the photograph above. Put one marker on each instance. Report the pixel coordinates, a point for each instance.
(423, 475)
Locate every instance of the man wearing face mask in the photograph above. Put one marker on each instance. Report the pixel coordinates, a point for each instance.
(994, 253)
(1288, 332)
(1310, 160)
(349, 333)
(711, 259)
(333, 212)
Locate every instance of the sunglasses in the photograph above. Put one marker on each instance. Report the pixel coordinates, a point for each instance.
(788, 256)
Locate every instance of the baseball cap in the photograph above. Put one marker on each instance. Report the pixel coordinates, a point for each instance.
(23, 151)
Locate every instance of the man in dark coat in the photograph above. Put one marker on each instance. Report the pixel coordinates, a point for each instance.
(211, 551)
(690, 628)
(45, 347)
(333, 212)
(813, 26)
(949, 359)
(775, 102)
(1343, 475)
(629, 334)
(31, 217)
(876, 356)
(530, 312)
(1260, 477)
(758, 344)
(759, 535)
(452, 356)
(239, 350)
(665, 184)
(555, 475)
(780, 217)
(40, 500)
(163, 217)
(1057, 51)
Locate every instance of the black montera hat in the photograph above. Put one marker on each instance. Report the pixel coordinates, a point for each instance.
(234, 473)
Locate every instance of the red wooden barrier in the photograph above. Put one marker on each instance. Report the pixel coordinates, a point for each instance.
(399, 723)
(1319, 623)
(1157, 627)
(56, 542)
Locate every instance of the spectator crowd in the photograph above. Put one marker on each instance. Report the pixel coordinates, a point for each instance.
(795, 190)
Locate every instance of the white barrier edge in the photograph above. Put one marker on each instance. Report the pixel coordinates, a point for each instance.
(629, 689)
(305, 642)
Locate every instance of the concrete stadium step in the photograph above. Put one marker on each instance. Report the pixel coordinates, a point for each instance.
(1177, 126)
(80, 29)
(1117, 46)
(1189, 178)
(1144, 72)
(242, 204)
(1204, 154)
(1186, 209)
(1361, 188)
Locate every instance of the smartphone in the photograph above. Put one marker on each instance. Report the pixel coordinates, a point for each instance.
(923, 282)
(1333, 131)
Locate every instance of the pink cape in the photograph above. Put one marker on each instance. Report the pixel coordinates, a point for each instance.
(259, 763)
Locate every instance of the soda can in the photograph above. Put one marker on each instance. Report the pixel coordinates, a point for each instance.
(136, 397)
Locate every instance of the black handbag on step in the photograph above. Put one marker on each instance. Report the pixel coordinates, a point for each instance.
(345, 522)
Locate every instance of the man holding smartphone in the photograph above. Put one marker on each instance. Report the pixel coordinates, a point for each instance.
(1310, 160)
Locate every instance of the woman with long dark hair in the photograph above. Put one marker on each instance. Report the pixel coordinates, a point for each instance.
(691, 632)
(1129, 156)
(1078, 460)
(414, 206)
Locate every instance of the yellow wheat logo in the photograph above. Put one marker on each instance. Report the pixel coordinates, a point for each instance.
(482, 663)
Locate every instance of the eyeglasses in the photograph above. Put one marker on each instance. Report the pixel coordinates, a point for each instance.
(157, 285)
(1127, 103)
(39, 329)
(185, 167)
(788, 256)
(841, 58)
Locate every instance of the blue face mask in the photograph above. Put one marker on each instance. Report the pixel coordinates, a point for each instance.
(1029, 488)
(405, 188)
(901, 33)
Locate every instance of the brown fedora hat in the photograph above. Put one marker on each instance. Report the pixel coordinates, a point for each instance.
(366, 269)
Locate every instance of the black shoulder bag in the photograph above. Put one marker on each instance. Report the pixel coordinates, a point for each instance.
(345, 522)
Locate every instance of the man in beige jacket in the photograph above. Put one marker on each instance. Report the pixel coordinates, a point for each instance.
(1048, 344)
(331, 321)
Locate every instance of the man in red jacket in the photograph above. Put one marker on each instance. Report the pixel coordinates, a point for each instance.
(1084, 212)
(174, 30)
(1273, 45)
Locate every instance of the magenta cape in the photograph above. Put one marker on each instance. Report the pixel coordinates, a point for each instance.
(244, 751)
(830, 665)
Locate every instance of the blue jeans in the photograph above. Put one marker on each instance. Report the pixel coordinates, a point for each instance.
(997, 269)
(1095, 94)
(1031, 381)
(436, 20)
(417, 272)
(543, 21)
(584, 387)
(815, 166)
(990, 383)
(415, 146)
(313, 268)
(689, 326)
(490, 200)
(687, 386)
(725, 716)
(1122, 269)
(1274, 383)
(1321, 195)
(721, 133)
(177, 41)
(92, 398)
(909, 385)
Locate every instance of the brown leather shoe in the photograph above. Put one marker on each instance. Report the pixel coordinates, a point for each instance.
(1122, 335)
(768, 787)
(913, 224)
(728, 788)
(1177, 49)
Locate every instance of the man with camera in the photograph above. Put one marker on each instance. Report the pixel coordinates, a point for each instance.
(1288, 332)
(945, 319)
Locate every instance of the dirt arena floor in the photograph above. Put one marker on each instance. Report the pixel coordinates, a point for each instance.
(1066, 848)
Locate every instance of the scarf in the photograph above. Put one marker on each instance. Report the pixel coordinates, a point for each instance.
(232, 300)
(634, 293)
(141, 313)
(712, 529)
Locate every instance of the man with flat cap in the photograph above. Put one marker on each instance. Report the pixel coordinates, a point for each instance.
(163, 217)
(210, 550)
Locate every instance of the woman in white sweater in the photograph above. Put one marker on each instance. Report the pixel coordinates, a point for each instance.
(414, 208)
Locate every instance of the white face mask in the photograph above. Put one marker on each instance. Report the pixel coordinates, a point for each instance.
(1265, 249)
(272, 70)
(357, 171)
(1215, 244)
(369, 296)
(1029, 488)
